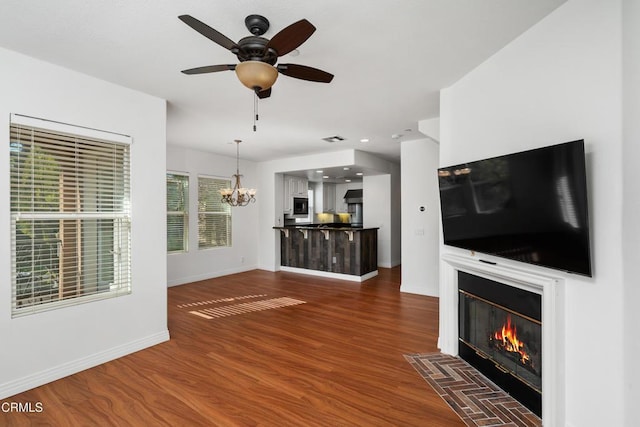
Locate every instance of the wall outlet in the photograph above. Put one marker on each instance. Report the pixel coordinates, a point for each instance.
(241, 260)
(334, 260)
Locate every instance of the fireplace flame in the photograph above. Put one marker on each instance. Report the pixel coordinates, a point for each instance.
(509, 337)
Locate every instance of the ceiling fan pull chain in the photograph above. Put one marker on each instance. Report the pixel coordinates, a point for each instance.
(255, 110)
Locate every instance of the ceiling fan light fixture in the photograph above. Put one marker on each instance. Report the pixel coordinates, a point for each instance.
(256, 75)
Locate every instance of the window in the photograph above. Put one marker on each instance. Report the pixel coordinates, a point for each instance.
(70, 215)
(177, 212)
(214, 216)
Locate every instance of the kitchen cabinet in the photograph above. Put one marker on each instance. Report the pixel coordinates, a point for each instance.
(294, 186)
(341, 205)
(329, 198)
(325, 198)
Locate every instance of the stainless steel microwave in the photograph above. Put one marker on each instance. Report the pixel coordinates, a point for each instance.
(300, 206)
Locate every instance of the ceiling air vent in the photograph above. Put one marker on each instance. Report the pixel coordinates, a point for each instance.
(332, 139)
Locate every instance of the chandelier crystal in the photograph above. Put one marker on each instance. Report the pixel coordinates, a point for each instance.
(238, 195)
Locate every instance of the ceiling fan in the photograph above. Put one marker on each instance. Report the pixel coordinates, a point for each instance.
(258, 55)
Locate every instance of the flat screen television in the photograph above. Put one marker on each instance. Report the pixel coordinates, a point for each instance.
(529, 206)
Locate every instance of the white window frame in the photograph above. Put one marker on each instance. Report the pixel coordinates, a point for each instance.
(204, 212)
(183, 213)
(88, 216)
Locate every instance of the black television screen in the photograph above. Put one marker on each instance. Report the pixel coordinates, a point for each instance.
(529, 206)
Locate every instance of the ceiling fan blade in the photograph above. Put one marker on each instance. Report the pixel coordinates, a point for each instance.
(305, 73)
(208, 32)
(209, 69)
(291, 37)
(264, 94)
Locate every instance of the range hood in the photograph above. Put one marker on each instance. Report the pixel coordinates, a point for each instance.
(353, 196)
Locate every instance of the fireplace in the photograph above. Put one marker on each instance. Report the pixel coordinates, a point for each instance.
(534, 280)
(500, 334)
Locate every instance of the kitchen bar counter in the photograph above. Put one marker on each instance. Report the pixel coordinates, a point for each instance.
(323, 227)
(342, 252)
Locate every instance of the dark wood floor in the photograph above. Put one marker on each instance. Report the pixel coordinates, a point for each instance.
(336, 360)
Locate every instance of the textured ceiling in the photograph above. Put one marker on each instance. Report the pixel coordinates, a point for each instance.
(389, 58)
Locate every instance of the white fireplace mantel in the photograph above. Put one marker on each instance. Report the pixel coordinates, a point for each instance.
(553, 333)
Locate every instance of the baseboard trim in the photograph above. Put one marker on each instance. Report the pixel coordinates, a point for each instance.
(210, 275)
(37, 379)
(329, 274)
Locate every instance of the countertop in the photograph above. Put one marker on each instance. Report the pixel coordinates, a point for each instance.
(321, 227)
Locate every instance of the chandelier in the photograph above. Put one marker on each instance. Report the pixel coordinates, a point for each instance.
(238, 195)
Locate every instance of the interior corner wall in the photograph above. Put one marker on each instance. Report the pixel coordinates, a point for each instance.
(396, 214)
(420, 228)
(43, 347)
(196, 264)
(630, 223)
(561, 81)
(376, 191)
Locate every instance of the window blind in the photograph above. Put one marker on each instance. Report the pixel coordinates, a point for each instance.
(214, 216)
(70, 212)
(177, 212)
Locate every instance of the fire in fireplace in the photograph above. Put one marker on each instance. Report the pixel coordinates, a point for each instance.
(507, 341)
(500, 333)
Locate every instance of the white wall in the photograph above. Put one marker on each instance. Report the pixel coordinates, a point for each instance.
(420, 229)
(196, 264)
(43, 347)
(631, 206)
(558, 82)
(376, 191)
(382, 207)
(396, 215)
(430, 128)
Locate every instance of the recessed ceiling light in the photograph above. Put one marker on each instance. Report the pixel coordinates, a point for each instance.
(364, 140)
(396, 136)
(325, 176)
(345, 168)
(359, 173)
(319, 171)
(347, 180)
